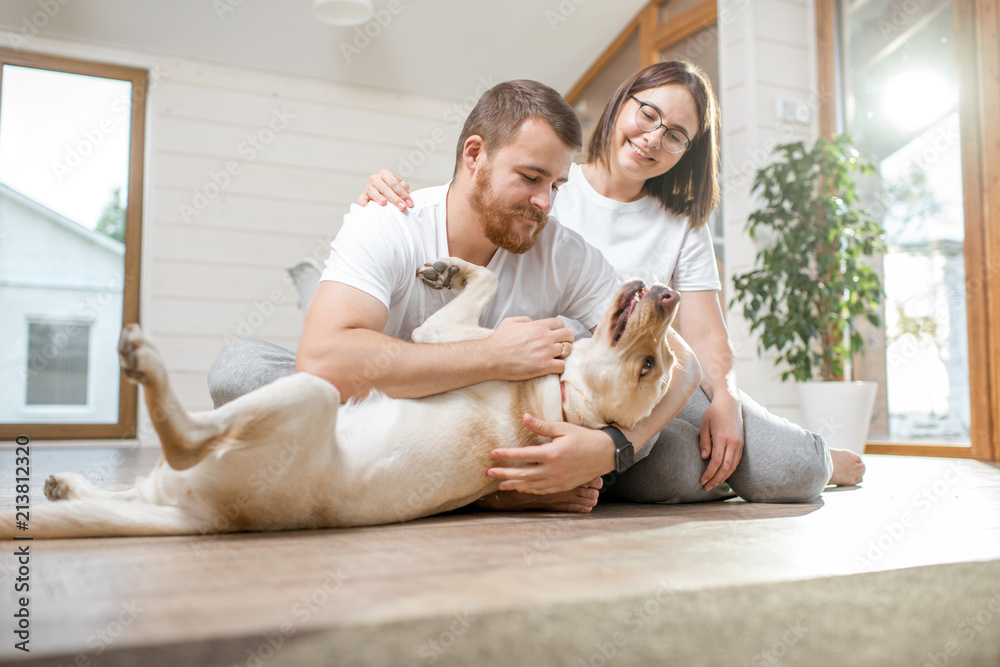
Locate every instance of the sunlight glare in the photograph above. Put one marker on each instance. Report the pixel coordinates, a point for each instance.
(914, 99)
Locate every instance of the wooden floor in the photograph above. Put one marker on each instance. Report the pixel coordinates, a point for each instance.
(122, 593)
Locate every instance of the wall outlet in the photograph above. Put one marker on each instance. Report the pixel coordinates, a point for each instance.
(793, 111)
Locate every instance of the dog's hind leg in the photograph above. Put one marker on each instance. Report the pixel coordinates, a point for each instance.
(256, 419)
(102, 518)
(185, 438)
(459, 319)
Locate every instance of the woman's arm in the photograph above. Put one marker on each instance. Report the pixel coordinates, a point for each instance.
(385, 188)
(699, 321)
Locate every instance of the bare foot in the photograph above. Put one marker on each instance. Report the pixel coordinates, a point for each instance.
(581, 499)
(848, 469)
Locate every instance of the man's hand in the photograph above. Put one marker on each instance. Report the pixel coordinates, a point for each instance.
(523, 348)
(722, 439)
(574, 457)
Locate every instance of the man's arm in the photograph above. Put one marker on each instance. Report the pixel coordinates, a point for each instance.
(342, 342)
(576, 455)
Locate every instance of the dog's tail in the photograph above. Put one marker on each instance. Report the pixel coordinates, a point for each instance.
(92, 517)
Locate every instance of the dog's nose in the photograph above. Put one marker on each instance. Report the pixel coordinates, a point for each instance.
(667, 298)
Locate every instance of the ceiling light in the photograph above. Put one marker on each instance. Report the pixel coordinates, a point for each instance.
(344, 12)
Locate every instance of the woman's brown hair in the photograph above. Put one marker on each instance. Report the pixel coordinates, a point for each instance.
(691, 187)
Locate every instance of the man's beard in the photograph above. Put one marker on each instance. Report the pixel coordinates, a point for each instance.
(497, 218)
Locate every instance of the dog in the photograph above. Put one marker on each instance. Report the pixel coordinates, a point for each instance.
(290, 456)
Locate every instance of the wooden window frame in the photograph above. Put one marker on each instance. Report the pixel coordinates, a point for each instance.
(128, 393)
(653, 37)
(977, 43)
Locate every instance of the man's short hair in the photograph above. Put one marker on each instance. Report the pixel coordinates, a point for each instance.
(503, 108)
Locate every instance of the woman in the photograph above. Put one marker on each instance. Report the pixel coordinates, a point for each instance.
(644, 197)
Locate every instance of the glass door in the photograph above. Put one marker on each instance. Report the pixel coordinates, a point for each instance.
(901, 105)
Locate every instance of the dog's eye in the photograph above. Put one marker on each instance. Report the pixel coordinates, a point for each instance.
(647, 366)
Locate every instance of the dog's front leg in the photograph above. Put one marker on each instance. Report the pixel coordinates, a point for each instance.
(459, 319)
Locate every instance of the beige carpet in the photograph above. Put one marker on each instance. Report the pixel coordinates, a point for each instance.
(936, 615)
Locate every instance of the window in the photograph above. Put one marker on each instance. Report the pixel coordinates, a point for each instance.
(914, 90)
(71, 156)
(58, 356)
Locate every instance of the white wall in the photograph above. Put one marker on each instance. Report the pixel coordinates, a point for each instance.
(767, 52)
(298, 152)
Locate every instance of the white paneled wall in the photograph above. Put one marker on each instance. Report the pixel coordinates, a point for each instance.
(767, 52)
(249, 173)
(246, 173)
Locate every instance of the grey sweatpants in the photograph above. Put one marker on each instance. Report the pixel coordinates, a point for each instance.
(781, 463)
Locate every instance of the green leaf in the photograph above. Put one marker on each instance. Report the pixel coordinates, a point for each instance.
(810, 281)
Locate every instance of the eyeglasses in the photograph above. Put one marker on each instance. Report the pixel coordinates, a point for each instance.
(648, 119)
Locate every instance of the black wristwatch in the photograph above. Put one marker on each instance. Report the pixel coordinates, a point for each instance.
(624, 450)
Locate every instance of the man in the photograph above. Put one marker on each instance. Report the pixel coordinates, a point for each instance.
(514, 152)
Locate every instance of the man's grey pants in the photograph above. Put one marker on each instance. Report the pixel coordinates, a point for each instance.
(781, 463)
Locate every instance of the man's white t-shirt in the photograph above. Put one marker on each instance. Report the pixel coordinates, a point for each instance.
(379, 249)
(641, 239)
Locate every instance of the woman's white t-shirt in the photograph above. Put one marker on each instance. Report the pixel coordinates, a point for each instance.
(641, 239)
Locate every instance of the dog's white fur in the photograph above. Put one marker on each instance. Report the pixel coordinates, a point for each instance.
(289, 456)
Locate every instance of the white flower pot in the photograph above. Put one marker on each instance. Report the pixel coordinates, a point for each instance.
(840, 412)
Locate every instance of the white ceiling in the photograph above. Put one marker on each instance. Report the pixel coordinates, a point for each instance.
(436, 47)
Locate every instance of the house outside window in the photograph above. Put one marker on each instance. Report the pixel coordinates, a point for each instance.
(58, 363)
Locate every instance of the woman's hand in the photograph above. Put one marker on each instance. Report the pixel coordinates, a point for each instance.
(385, 187)
(575, 456)
(721, 439)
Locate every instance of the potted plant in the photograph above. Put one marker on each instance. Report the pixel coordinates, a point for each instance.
(811, 280)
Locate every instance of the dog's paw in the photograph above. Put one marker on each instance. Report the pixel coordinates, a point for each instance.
(66, 486)
(442, 274)
(140, 361)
